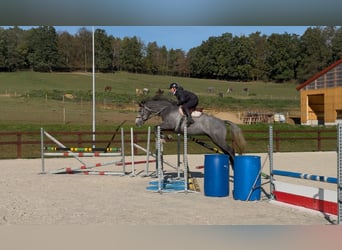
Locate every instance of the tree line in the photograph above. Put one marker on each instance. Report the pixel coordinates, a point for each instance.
(256, 57)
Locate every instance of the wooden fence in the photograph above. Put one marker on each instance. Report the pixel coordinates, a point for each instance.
(27, 144)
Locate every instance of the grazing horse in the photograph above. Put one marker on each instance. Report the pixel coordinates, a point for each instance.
(108, 89)
(205, 124)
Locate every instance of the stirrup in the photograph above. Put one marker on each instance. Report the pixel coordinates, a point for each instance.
(189, 122)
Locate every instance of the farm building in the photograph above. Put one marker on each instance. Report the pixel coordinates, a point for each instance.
(321, 97)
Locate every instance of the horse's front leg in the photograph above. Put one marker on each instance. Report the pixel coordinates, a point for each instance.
(162, 136)
(163, 126)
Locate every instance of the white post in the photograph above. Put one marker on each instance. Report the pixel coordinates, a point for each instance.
(148, 150)
(132, 153)
(42, 149)
(123, 151)
(270, 157)
(93, 40)
(185, 158)
(339, 174)
(159, 170)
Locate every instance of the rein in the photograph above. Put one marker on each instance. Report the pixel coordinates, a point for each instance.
(154, 113)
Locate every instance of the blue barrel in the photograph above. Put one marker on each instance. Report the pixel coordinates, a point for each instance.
(247, 178)
(216, 175)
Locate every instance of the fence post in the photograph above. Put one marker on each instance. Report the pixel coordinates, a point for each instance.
(277, 139)
(319, 140)
(19, 144)
(79, 139)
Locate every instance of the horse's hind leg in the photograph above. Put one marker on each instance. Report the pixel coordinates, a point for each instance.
(222, 144)
(229, 151)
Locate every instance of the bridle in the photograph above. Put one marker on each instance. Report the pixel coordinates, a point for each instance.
(154, 113)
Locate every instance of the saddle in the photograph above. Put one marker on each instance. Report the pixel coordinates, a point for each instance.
(197, 112)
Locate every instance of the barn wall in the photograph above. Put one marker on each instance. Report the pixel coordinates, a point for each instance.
(332, 102)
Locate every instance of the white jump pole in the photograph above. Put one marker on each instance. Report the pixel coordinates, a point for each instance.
(123, 151)
(270, 157)
(42, 149)
(132, 155)
(159, 169)
(148, 150)
(63, 146)
(185, 158)
(339, 174)
(337, 180)
(94, 106)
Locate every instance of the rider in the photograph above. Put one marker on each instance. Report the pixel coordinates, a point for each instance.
(186, 99)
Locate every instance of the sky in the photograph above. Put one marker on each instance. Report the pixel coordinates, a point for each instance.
(185, 37)
(182, 37)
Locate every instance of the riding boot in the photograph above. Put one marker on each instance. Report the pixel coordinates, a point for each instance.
(189, 119)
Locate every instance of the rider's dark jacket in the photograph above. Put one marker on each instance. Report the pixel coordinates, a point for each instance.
(186, 98)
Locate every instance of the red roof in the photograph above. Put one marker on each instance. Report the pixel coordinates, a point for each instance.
(319, 74)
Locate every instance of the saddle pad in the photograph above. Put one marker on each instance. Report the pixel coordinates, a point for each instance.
(195, 113)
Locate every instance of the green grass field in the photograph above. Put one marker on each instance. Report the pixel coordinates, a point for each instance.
(31, 97)
(30, 100)
(22, 83)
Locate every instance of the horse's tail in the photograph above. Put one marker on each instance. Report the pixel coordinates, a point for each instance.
(239, 142)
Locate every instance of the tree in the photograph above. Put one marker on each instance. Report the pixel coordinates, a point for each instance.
(336, 45)
(103, 51)
(83, 50)
(65, 49)
(282, 57)
(3, 49)
(131, 54)
(163, 61)
(223, 55)
(177, 62)
(116, 47)
(242, 58)
(203, 62)
(315, 53)
(152, 58)
(43, 49)
(13, 50)
(258, 71)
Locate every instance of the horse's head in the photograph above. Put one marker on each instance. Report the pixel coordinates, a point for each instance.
(156, 106)
(143, 115)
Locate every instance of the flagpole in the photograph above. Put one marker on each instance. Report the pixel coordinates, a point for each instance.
(94, 128)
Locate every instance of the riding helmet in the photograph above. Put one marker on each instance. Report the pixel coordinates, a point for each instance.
(173, 85)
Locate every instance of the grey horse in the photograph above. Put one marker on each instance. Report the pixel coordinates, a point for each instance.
(214, 128)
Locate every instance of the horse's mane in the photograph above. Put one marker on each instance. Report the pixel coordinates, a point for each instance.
(160, 100)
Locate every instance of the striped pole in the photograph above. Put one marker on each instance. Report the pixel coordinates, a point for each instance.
(82, 168)
(69, 151)
(61, 145)
(323, 200)
(159, 169)
(135, 162)
(81, 154)
(153, 155)
(99, 173)
(298, 175)
(185, 159)
(83, 149)
(270, 157)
